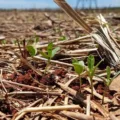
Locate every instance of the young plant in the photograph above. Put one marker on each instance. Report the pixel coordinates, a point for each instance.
(31, 49)
(51, 51)
(31, 46)
(91, 69)
(107, 81)
(79, 68)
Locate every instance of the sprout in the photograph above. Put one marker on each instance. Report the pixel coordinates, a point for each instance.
(79, 68)
(107, 81)
(50, 53)
(32, 50)
(91, 69)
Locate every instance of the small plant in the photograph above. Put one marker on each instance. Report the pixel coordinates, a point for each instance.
(50, 53)
(91, 69)
(107, 81)
(31, 49)
(79, 68)
(62, 38)
(31, 46)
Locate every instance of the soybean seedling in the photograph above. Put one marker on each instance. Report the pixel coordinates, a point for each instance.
(107, 81)
(31, 46)
(32, 49)
(79, 68)
(51, 51)
(91, 69)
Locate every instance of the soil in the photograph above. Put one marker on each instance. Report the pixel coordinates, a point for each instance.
(25, 84)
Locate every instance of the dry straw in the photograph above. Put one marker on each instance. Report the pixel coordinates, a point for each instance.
(108, 48)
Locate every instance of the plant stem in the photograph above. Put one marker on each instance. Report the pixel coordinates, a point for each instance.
(46, 68)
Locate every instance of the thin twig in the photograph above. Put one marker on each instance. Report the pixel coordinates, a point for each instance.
(88, 105)
(53, 61)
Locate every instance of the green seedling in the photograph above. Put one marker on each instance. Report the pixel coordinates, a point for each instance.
(79, 68)
(33, 40)
(31, 46)
(62, 38)
(51, 51)
(91, 69)
(15, 42)
(107, 81)
(31, 49)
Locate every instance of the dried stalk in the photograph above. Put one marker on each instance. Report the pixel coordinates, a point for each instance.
(44, 109)
(109, 49)
(78, 116)
(23, 85)
(33, 93)
(66, 41)
(94, 105)
(98, 95)
(72, 13)
(28, 64)
(88, 105)
(53, 61)
(81, 51)
(16, 117)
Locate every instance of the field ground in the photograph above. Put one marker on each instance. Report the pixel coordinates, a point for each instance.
(55, 94)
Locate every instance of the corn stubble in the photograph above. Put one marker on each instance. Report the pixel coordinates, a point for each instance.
(108, 48)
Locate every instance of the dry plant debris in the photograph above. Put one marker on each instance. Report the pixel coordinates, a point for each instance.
(31, 91)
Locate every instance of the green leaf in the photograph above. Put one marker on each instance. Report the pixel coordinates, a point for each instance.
(62, 38)
(91, 62)
(108, 80)
(49, 49)
(95, 67)
(74, 60)
(78, 67)
(36, 39)
(50, 46)
(32, 50)
(54, 51)
(99, 63)
(44, 55)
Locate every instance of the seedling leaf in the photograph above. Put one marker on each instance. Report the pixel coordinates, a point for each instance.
(36, 39)
(95, 67)
(108, 80)
(78, 67)
(91, 62)
(74, 60)
(32, 50)
(49, 49)
(44, 55)
(54, 51)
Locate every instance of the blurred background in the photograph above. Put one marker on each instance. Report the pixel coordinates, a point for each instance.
(42, 4)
